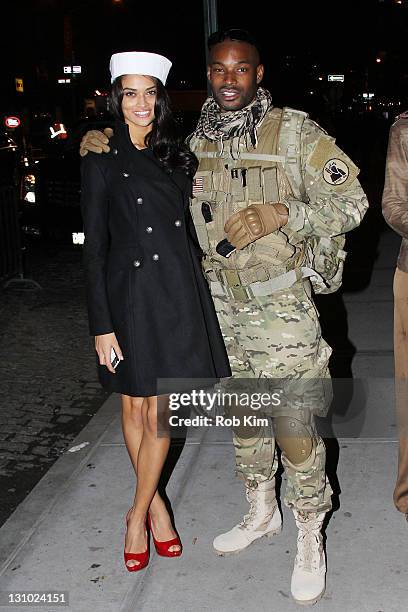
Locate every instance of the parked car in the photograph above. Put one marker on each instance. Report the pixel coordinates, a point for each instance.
(50, 183)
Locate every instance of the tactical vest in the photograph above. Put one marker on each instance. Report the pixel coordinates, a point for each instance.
(223, 186)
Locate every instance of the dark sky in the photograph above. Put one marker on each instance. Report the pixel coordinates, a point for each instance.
(336, 34)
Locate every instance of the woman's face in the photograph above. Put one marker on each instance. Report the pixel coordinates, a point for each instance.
(139, 98)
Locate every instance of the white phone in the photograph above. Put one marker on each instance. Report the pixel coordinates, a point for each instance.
(114, 359)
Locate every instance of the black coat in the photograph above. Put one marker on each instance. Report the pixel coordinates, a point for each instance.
(144, 277)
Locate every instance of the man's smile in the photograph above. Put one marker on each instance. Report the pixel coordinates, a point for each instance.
(229, 94)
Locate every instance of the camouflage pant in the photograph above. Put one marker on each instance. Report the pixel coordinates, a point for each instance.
(279, 337)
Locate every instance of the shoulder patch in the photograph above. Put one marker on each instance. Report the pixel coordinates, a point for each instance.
(198, 184)
(334, 166)
(202, 182)
(336, 171)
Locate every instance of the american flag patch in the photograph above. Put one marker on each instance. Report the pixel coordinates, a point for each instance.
(198, 185)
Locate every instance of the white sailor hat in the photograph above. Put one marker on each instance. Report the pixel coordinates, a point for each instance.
(139, 62)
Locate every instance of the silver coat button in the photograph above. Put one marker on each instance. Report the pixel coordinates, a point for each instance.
(139, 200)
(115, 151)
(125, 174)
(177, 223)
(137, 263)
(149, 229)
(155, 257)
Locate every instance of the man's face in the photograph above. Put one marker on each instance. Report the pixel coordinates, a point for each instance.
(234, 73)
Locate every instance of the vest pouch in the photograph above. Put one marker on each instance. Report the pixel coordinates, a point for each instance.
(221, 183)
(326, 256)
(238, 184)
(270, 185)
(254, 184)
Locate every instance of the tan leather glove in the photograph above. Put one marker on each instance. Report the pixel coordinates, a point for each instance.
(254, 222)
(95, 141)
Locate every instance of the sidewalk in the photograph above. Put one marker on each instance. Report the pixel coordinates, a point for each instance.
(68, 533)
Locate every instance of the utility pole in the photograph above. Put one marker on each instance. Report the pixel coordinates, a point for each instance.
(210, 24)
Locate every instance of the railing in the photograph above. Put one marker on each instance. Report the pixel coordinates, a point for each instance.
(11, 254)
(11, 264)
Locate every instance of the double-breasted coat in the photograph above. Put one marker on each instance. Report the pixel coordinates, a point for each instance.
(143, 271)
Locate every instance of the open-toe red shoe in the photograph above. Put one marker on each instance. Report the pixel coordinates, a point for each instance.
(163, 548)
(142, 558)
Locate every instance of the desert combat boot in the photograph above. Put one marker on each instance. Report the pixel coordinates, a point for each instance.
(309, 573)
(263, 519)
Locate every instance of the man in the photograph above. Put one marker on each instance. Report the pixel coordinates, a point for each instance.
(395, 211)
(270, 182)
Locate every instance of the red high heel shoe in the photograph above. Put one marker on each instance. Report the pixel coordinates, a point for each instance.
(162, 548)
(142, 558)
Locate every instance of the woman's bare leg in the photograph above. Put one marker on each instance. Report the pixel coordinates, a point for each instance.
(132, 427)
(161, 522)
(151, 455)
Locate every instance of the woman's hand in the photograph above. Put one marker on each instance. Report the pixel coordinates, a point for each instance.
(103, 346)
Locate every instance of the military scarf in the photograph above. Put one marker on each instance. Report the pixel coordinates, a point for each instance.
(233, 125)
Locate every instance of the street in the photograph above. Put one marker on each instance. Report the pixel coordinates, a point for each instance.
(48, 380)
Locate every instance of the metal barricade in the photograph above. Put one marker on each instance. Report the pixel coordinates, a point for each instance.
(11, 264)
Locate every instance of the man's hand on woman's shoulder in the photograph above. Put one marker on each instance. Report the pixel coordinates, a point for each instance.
(96, 141)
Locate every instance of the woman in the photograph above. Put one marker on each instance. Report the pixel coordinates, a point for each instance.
(147, 298)
(395, 211)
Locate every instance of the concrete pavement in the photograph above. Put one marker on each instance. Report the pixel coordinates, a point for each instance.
(68, 533)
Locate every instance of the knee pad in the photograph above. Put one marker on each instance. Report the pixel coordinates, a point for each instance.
(243, 429)
(294, 438)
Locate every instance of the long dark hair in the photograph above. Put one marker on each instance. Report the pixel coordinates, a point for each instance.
(164, 138)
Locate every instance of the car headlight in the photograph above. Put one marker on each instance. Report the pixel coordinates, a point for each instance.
(30, 197)
(28, 188)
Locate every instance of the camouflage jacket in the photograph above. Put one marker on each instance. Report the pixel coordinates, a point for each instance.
(297, 164)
